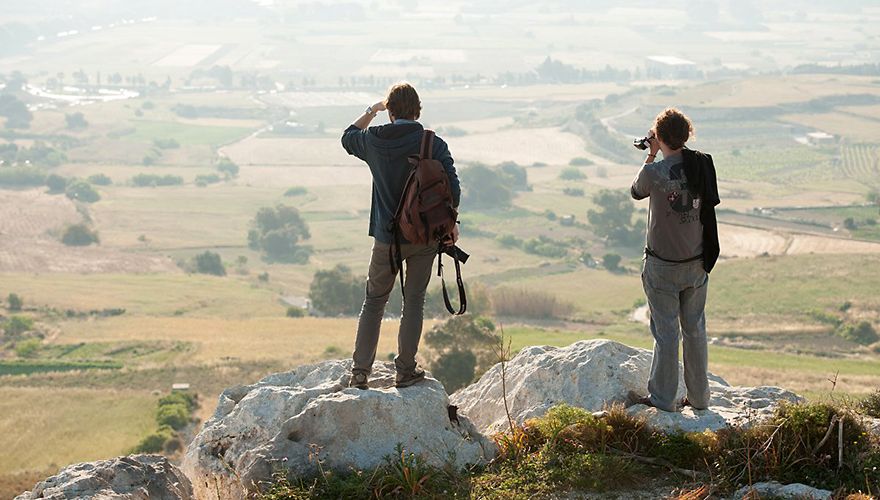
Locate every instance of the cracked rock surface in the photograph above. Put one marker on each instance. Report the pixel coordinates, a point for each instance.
(135, 477)
(592, 373)
(288, 422)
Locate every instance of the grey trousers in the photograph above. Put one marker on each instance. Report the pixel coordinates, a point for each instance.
(380, 281)
(676, 296)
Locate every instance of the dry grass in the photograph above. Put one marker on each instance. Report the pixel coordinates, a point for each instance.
(295, 341)
(289, 152)
(145, 294)
(75, 424)
(523, 146)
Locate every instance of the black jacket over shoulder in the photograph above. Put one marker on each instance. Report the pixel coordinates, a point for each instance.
(701, 178)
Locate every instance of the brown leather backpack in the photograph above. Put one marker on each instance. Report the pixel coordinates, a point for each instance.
(426, 215)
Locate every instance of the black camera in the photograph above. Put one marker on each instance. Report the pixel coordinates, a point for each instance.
(456, 253)
(643, 143)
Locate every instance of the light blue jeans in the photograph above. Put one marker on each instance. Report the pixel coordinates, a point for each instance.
(676, 296)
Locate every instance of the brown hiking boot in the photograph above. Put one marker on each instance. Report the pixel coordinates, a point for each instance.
(358, 380)
(410, 378)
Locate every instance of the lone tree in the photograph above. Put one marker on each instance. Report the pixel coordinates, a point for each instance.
(277, 232)
(460, 350)
(615, 219)
(56, 183)
(227, 167)
(82, 191)
(16, 112)
(79, 235)
(15, 302)
(337, 291)
(210, 263)
(76, 121)
(486, 188)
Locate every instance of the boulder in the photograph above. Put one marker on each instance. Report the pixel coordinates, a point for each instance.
(593, 373)
(794, 491)
(135, 477)
(291, 422)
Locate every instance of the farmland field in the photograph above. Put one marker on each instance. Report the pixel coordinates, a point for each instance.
(246, 108)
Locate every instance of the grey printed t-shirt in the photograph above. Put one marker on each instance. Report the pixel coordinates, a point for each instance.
(675, 231)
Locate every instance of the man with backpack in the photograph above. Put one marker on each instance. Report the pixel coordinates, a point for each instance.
(393, 152)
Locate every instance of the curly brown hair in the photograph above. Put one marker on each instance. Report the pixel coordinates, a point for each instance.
(403, 101)
(673, 127)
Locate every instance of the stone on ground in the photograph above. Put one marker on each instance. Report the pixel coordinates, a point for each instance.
(594, 373)
(136, 477)
(794, 491)
(293, 422)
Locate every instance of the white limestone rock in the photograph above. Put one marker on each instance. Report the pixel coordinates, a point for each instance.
(592, 373)
(275, 424)
(135, 477)
(795, 491)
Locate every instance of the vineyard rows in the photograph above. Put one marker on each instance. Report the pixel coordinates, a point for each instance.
(860, 161)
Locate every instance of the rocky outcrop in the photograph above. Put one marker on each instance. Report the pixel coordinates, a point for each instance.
(136, 477)
(290, 422)
(794, 491)
(593, 373)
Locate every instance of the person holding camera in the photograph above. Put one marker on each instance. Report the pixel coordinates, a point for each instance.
(682, 247)
(387, 149)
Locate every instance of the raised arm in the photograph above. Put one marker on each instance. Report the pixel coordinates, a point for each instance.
(354, 137)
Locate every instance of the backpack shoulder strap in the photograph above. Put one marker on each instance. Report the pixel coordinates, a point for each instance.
(427, 148)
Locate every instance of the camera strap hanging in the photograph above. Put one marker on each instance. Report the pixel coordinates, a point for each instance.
(462, 295)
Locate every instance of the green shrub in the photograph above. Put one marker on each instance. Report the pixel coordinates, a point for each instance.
(15, 302)
(296, 312)
(580, 161)
(22, 176)
(337, 291)
(187, 399)
(209, 263)
(509, 241)
(871, 404)
(82, 191)
(545, 247)
(571, 174)
(153, 180)
(455, 369)
(79, 235)
(227, 167)
(16, 325)
(205, 179)
(861, 333)
(76, 121)
(166, 143)
(56, 183)
(174, 415)
(100, 180)
(611, 261)
(296, 191)
(576, 192)
(155, 442)
(27, 348)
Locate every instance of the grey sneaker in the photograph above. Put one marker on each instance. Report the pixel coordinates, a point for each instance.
(410, 378)
(358, 380)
